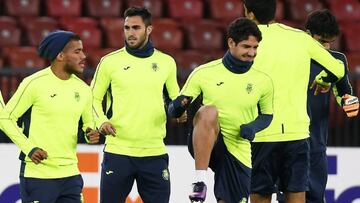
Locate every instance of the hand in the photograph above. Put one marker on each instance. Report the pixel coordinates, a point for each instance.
(320, 87)
(38, 155)
(185, 101)
(351, 105)
(107, 129)
(181, 119)
(247, 132)
(93, 136)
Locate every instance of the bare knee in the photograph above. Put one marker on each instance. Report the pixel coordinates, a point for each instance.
(206, 114)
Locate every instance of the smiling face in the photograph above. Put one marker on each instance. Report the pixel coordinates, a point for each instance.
(73, 57)
(245, 50)
(136, 32)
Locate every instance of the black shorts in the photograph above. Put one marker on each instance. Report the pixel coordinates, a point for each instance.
(58, 190)
(119, 172)
(282, 163)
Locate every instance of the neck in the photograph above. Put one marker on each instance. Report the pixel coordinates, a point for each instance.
(235, 65)
(144, 51)
(60, 72)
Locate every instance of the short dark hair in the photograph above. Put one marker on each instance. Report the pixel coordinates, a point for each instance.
(264, 10)
(241, 29)
(323, 23)
(139, 11)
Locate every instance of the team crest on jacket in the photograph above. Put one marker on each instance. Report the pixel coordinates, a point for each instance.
(165, 174)
(249, 88)
(243, 200)
(155, 66)
(77, 96)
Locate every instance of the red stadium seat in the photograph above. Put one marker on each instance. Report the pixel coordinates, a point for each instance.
(23, 57)
(73, 22)
(185, 8)
(114, 31)
(354, 62)
(104, 8)
(154, 6)
(204, 35)
(62, 8)
(190, 59)
(226, 9)
(8, 87)
(22, 7)
(280, 10)
(87, 28)
(351, 32)
(1, 63)
(345, 9)
(37, 28)
(9, 32)
(94, 56)
(167, 35)
(293, 24)
(299, 9)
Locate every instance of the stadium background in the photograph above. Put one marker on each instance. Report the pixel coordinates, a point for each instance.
(192, 31)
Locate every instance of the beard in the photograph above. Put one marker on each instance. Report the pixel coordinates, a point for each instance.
(140, 44)
(72, 69)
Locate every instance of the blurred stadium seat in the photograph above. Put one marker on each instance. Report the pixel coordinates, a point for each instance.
(1, 63)
(190, 59)
(299, 9)
(104, 8)
(351, 32)
(167, 34)
(114, 31)
(354, 62)
(61, 8)
(204, 35)
(226, 9)
(36, 28)
(73, 22)
(22, 7)
(154, 6)
(280, 10)
(86, 27)
(8, 86)
(185, 8)
(345, 9)
(9, 32)
(23, 57)
(94, 56)
(292, 23)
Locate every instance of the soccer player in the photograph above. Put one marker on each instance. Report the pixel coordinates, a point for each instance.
(135, 78)
(322, 26)
(238, 102)
(56, 100)
(281, 151)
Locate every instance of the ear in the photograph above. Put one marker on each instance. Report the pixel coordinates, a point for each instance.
(149, 29)
(231, 43)
(60, 56)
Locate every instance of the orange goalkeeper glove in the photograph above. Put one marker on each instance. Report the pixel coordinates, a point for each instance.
(350, 105)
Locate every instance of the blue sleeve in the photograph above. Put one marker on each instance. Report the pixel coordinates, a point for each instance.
(176, 108)
(249, 130)
(343, 86)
